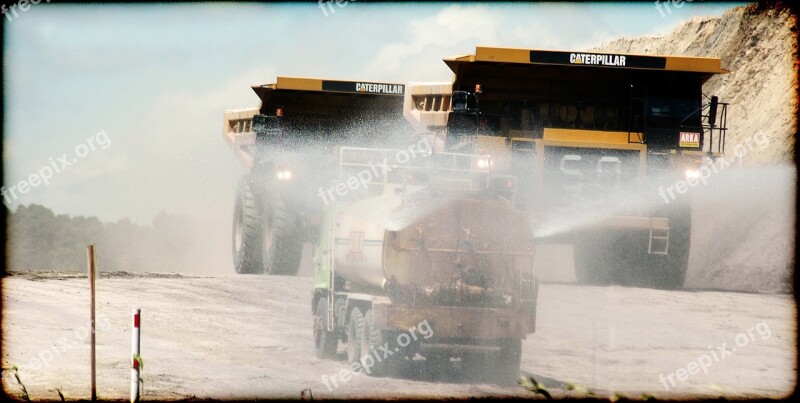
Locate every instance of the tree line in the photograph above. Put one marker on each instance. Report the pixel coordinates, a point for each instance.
(38, 239)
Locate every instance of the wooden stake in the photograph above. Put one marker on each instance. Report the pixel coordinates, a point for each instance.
(90, 252)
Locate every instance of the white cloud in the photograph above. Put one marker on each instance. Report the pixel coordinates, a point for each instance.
(459, 29)
(453, 30)
(233, 93)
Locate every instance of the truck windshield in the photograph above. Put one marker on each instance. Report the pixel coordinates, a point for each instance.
(663, 107)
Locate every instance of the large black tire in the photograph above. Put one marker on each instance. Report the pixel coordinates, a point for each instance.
(604, 258)
(373, 342)
(501, 366)
(325, 342)
(669, 272)
(595, 259)
(246, 231)
(282, 245)
(355, 327)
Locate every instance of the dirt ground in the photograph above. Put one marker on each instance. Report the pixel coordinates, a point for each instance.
(250, 336)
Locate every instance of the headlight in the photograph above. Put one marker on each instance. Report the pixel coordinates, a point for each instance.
(284, 175)
(692, 173)
(484, 163)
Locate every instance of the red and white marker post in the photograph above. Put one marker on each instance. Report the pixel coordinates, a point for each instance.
(135, 355)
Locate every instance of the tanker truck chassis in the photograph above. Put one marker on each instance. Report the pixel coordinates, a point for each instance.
(431, 260)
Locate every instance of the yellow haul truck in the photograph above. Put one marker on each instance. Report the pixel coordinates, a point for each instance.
(289, 146)
(597, 142)
(430, 258)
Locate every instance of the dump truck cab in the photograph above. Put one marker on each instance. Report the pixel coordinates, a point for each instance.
(587, 131)
(289, 146)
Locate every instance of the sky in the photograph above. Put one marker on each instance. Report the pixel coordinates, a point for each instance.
(120, 106)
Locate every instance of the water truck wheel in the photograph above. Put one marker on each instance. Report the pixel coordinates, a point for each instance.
(509, 358)
(501, 366)
(376, 359)
(325, 342)
(246, 231)
(354, 328)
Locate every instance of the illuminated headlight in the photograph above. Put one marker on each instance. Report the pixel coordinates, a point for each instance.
(692, 173)
(284, 175)
(484, 163)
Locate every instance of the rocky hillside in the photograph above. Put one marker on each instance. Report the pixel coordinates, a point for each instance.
(758, 44)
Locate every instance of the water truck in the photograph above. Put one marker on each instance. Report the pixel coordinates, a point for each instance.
(429, 258)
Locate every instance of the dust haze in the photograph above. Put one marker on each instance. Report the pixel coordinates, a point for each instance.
(209, 332)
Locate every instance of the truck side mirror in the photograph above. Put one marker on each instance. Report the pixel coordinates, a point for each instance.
(712, 110)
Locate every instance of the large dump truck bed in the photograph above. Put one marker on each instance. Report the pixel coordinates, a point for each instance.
(314, 110)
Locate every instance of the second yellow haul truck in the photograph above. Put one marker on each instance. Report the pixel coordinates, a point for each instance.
(289, 147)
(600, 144)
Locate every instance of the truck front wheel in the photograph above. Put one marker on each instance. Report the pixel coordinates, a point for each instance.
(622, 256)
(282, 240)
(594, 259)
(668, 272)
(246, 231)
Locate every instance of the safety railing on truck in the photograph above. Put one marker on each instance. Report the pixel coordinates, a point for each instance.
(721, 128)
(462, 171)
(713, 126)
(376, 168)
